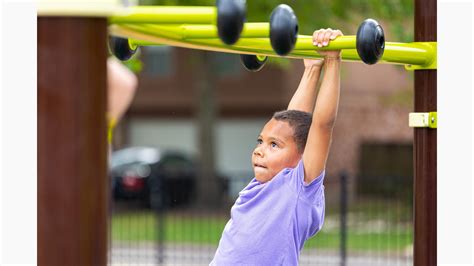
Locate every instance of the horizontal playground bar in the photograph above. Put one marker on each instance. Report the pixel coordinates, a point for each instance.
(167, 15)
(253, 35)
(208, 31)
(149, 34)
(250, 30)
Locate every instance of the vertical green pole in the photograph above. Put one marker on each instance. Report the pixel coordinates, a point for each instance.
(425, 198)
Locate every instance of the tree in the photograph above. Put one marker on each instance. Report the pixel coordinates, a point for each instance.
(206, 113)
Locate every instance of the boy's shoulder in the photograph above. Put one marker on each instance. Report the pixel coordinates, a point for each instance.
(292, 177)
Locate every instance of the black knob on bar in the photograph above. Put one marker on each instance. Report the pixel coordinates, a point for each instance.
(253, 63)
(283, 29)
(370, 41)
(120, 48)
(231, 15)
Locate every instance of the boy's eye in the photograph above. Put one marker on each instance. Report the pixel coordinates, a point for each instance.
(274, 145)
(259, 141)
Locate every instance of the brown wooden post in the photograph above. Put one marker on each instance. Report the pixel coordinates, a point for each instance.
(425, 239)
(72, 142)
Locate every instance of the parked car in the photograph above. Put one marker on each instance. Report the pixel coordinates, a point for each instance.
(160, 179)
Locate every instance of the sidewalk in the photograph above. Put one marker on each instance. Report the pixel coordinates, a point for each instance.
(181, 254)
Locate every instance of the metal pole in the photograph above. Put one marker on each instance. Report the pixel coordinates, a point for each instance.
(343, 218)
(161, 226)
(166, 14)
(425, 238)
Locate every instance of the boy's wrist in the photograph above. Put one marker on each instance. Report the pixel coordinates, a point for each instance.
(332, 58)
(332, 61)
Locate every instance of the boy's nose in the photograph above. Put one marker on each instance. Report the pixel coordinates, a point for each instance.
(258, 152)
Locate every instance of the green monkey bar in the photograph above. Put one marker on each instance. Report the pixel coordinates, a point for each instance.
(254, 40)
(167, 15)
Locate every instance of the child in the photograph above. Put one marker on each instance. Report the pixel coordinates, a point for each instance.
(121, 87)
(284, 204)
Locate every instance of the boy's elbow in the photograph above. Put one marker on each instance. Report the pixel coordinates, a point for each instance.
(325, 119)
(327, 124)
(330, 123)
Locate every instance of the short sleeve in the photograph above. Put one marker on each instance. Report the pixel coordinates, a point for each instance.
(311, 191)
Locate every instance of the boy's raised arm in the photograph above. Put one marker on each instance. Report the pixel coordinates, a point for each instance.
(325, 110)
(305, 94)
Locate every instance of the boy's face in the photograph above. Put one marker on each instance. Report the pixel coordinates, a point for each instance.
(276, 149)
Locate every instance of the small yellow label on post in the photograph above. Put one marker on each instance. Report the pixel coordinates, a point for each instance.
(423, 120)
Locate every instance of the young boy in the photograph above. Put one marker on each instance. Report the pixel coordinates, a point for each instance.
(283, 205)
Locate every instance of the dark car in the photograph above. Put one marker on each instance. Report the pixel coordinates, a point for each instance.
(159, 179)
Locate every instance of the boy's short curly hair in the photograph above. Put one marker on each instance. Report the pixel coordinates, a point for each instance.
(300, 122)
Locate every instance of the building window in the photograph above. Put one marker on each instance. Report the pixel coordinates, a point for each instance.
(158, 61)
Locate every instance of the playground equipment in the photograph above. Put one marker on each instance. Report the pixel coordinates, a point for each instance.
(70, 162)
(277, 38)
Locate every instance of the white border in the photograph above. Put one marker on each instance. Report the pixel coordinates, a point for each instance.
(18, 133)
(455, 133)
(448, 248)
(1, 130)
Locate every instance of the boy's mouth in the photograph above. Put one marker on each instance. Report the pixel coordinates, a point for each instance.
(259, 165)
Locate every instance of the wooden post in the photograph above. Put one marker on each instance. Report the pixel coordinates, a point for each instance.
(72, 142)
(425, 239)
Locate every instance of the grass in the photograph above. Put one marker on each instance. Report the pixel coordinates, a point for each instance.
(143, 226)
(387, 241)
(178, 228)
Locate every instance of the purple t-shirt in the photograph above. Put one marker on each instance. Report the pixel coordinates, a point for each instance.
(271, 221)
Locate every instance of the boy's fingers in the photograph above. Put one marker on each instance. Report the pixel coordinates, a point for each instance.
(338, 33)
(335, 33)
(320, 37)
(315, 37)
(326, 37)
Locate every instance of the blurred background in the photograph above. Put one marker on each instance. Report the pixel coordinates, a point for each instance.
(182, 152)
